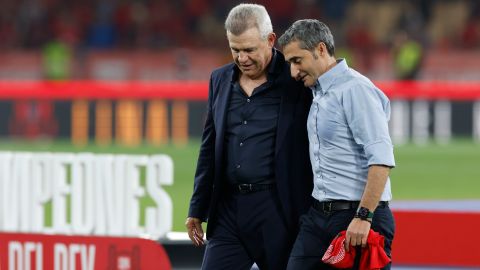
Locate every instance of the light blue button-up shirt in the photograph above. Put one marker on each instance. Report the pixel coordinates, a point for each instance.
(348, 132)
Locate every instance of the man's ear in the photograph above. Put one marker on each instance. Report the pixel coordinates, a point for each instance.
(271, 39)
(321, 49)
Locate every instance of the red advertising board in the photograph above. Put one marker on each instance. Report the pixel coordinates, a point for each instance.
(60, 252)
(198, 90)
(436, 238)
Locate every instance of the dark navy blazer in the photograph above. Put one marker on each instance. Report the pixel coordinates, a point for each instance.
(293, 173)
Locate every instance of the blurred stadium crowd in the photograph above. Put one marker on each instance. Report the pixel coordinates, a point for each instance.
(368, 33)
(199, 23)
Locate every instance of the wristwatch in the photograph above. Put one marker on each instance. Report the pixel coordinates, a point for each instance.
(364, 213)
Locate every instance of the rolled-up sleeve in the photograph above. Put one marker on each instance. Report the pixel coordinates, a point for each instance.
(367, 112)
(380, 153)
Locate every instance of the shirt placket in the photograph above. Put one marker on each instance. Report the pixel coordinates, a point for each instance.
(244, 125)
(316, 153)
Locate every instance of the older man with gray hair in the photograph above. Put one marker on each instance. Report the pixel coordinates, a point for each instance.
(253, 174)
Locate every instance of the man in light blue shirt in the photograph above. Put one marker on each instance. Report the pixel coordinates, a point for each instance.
(350, 148)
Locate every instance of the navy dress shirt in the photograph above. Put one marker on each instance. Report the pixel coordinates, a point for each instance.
(251, 131)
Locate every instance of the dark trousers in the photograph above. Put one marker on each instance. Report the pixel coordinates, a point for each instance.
(249, 229)
(318, 228)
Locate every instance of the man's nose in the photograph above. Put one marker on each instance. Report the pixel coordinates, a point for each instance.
(293, 71)
(242, 57)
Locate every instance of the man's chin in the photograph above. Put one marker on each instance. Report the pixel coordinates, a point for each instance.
(307, 84)
(250, 73)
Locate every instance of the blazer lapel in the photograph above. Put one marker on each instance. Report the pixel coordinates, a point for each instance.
(220, 116)
(285, 118)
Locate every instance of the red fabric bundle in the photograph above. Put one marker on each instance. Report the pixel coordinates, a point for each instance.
(373, 255)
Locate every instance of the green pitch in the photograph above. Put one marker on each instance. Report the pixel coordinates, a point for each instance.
(433, 171)
(423, 172)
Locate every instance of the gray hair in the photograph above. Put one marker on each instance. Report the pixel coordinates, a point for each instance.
(246, 16)
(309, 33)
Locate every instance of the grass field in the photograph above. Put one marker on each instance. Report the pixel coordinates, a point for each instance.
(426, 172)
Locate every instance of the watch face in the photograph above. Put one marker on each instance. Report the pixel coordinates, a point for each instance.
(363, 212)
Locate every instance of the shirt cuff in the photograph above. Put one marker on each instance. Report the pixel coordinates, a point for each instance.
(380, 153)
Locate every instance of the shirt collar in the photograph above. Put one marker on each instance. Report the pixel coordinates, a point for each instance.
(326, 79)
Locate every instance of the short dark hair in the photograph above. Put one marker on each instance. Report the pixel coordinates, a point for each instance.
(309, 33)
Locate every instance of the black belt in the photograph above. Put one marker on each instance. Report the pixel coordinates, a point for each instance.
(330, 206)
(249, 188)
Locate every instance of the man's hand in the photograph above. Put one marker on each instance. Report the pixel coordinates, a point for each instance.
(357, 233)
(195, 231)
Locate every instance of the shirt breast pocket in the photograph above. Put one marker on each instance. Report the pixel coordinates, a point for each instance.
(330, 127)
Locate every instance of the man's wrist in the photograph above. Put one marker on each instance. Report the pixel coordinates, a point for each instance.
(364, 213)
